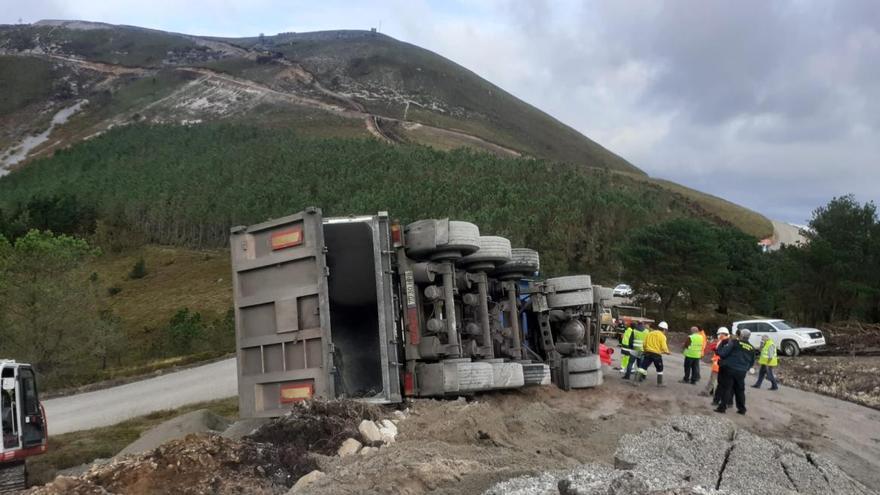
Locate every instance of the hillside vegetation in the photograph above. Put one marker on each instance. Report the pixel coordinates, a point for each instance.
(187, 185)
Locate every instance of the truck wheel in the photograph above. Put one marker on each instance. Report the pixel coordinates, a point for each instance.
(570, 299)
(493, 250)
(462, 239)
(790, 348)
(573, 282)
(522, 260)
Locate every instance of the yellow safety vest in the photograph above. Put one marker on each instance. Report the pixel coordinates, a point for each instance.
(768, 354)
(695, 349)
(627, 336)
(639, 339)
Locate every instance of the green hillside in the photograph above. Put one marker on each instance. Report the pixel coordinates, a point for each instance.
(188, 185)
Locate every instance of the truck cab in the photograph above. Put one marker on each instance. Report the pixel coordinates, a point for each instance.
(22, 422)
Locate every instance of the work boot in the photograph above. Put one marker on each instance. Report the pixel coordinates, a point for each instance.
(720, 410)
(660, 381)
(756, 386)
(774, 388)
(684, 380)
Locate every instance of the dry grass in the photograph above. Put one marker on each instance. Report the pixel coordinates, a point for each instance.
(176, 278)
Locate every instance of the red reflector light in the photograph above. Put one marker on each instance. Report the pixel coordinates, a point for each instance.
(409, 386)
(396, 235)
(296, 392)
(287, 238)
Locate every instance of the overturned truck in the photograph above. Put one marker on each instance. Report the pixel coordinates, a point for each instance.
(362, 307)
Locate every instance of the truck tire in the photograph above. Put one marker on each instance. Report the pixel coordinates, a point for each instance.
(494, 250)
(536, 374)
(462, 239)
(572, 282)
(570, 299)
(790, 348)
(585, 380)
(584, 363)
(523, 261)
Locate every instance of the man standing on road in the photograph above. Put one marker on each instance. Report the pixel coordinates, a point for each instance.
(693, 352)
(737, 357)
(712, 387)
(654, 348)
(638, 343)
(625, 350)
(768, 361)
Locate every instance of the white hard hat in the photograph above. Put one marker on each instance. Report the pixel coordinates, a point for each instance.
(723, 331)
(664, 325)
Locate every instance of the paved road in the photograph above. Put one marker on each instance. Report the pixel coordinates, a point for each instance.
(113, 405)
(849, 434)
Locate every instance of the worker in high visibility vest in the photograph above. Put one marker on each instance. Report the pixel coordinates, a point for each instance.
(693, 352)
(712, 387)
(653, 350)
(705, 342)
(637, 345)
(625, 347)
(768, 361)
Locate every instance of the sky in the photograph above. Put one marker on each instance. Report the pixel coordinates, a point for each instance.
(772, 105)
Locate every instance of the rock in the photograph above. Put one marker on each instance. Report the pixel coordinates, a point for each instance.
(388, 431)
(200, 421)
(370, 432)
(305, 481)
(399, 415)
(349, 447)
(368, 451)
(244, 427)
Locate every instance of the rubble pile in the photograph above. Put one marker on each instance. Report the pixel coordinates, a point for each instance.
(279, 454)
(195, 465)
(852, 379)
(851, 338)
(695, 455)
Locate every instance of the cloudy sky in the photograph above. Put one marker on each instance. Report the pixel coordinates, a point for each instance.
(773, 105)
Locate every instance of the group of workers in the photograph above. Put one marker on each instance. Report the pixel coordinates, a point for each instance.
(732, 358)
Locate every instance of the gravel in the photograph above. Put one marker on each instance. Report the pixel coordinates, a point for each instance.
(695, 455)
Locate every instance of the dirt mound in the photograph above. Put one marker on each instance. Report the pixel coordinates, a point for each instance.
(848, 378)
(461, 446)
(314, 427)
(851, 338)
(195, 465)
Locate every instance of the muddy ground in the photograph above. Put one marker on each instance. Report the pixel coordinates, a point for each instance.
(467, 445)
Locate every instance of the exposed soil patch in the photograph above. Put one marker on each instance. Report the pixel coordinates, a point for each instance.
(849, 378)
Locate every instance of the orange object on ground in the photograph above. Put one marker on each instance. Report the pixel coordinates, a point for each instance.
(715, 357)
(605, 353)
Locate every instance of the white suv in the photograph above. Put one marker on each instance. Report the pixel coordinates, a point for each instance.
(789, 338)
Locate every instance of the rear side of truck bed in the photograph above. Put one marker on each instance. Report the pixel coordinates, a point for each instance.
(302, 329)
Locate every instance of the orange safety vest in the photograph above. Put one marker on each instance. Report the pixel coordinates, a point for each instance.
(705, 342)
(715, 357)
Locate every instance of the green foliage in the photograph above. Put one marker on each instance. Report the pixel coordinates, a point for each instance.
(836, 274)
(148, 179)
(182, 332)
(23, 81)
(139, 270)
(61, 213)
(48, 309)
(674, 258)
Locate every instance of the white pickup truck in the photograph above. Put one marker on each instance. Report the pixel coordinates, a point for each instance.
(790, 339)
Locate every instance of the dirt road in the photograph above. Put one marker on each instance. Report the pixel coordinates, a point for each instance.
(113, 405)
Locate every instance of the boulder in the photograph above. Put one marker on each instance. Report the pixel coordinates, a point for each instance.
(349, 447)
(305, 481)
(388, 430)
(370, 432)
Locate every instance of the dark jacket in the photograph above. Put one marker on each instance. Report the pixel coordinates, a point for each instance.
(736, 355)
